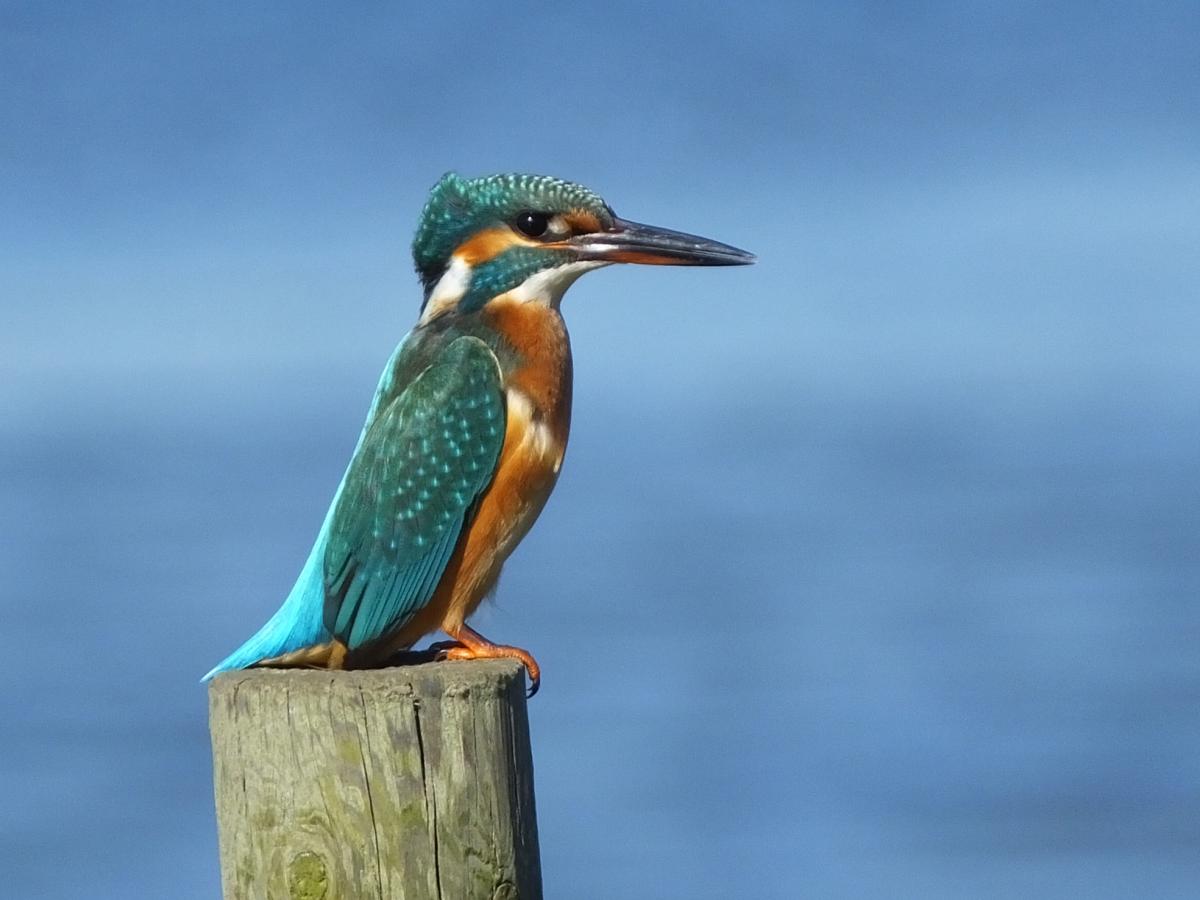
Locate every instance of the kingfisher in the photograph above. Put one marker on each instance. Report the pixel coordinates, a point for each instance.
(466, 434)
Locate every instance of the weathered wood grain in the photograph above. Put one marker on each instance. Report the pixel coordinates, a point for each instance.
(409, 782)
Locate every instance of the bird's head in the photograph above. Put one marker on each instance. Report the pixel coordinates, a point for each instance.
(534, 235)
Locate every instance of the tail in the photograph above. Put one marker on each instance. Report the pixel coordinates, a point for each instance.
(299, 623)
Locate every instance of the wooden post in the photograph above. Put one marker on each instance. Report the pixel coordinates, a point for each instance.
(409, 782)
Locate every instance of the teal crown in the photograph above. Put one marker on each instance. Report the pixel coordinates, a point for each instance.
(460, 207)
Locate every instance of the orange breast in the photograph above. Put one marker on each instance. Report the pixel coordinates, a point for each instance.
(543, 374)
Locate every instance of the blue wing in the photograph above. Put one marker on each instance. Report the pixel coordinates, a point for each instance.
(424, 461)
(454, 409)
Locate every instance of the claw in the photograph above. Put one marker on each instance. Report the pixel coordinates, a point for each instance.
(470, 644)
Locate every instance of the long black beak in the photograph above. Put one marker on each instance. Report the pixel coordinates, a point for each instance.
(631, 242)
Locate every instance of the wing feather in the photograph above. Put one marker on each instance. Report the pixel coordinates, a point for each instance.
(424, 461)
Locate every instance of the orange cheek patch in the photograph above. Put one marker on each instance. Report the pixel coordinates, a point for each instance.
(487, 245)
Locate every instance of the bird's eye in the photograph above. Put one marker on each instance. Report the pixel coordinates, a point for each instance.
(533, 224)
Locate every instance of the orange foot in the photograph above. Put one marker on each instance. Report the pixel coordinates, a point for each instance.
(470, 644)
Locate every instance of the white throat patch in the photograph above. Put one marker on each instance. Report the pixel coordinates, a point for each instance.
(548, 286)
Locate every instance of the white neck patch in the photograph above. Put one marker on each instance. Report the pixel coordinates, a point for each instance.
(548, 286)
(449, 289)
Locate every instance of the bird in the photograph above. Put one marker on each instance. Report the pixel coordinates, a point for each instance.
(467, 430)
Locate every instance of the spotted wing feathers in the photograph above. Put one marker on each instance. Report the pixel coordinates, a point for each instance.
(424, 460)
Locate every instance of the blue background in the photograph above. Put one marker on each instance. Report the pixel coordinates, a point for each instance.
(873, 569)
